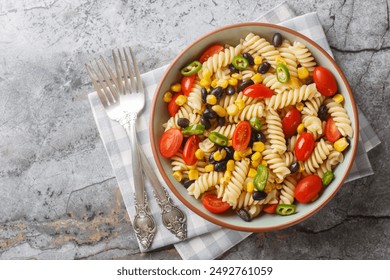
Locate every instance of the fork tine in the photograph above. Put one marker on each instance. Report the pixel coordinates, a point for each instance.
(118, 74)
(111, 92)
(102, 85)
(138, 76)
(127, 86)
(114, 90)
(131, 75)
(101, 95)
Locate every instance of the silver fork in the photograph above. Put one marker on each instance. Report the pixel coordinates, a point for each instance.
(123, 100)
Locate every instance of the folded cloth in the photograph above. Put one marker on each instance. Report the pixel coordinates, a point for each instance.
(205, 240)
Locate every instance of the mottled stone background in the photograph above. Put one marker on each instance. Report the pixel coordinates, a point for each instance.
(58, 196)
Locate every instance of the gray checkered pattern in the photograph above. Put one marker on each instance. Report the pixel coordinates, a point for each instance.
(205, 240)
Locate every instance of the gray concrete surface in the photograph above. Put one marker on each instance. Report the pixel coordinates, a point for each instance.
(58, 195)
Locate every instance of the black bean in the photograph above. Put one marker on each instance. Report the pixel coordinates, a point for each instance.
(233, 69)
(209, 114)
(187, 183)
(220, 166)
(258, 136)
(218, 92)
(259, 195)
(230, 90)
(205, 121)
(294, 167)
(211, 158)
(277, 39)
(243, 84)
(229, 152)
(322, 112)
(183, 122)
(203, 91)
(244, 214)
(249, 57)
(264, 67)
(221, 121)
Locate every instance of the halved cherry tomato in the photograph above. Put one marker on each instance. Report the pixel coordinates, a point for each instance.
(291, 122)
(258, 91)
(189, 150)
(270, 208)
(214, 204)
(308, 188)
(172, 106)
(214, 49)
(242, 136)
(325, 81)
(186, 84)
(304, 146)
(170, 142)
(332, 133)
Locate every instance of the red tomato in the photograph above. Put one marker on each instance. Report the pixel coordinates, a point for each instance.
(258, 91)
(325, 81)
(242, 136)
(290, 122)
(270, 208)
(214, 49)
(172, 106)
(332, 133)
(214, 204)
(308, 188)
(189, 150)
(304, 146)
(186, 84)
(170, 142)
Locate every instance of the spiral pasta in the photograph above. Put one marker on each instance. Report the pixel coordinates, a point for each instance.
(275, 132)
(333, 159)
(288, 190)
(319, 155)
(313, 124)
(205, 182)
(340, 117)
(255, 45)
(292, 97)
(249, 111)
(276, 163)
(303, 55)
(270, 81)
(289, 56)
(235, 185)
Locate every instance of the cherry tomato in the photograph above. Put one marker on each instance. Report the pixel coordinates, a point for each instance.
(189, 150)
(170, 142)
(308, 188)
(291, 122)
(332, 133)
(172, 106)
(325, 81)
(270, 208)
(304, 146)
(214, 204)
(258, 91)
(214, 49)
(242, 136)
(186, 84)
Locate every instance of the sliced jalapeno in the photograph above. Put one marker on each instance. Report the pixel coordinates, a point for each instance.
(194, 129)
(239, 62)
(261, 178)
(191, 68)
(218, 138)
(327, 178)
(282, 73)
(286, 209)
(255, 123)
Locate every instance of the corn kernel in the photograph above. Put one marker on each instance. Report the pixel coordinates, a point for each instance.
(236, 155)
(250, 187)
(178, 176)
(176, 87)
(246, 152)
(255, 163)
(301, 128)
(193, 174)
(294, 83)
(221, 112)
(230, 143)
(339, 98)
(232, 110)
(256, 156)
(199, 154)
(204, 83)
(167, 97)
(223, 83)
(217, 156)
(227, 176)
(233, 81)
(211, 99)
(240, 103)
(303, 73)
(252, 172)
(181, 100)
(257, 78)
(192, 167)
(301, 166)
(206, 74)
(258, 146)
(279, 59)
(230, 165)
(209, 168)
(258, 59)
(237, 76)
(341, 144)
(214, 83)
(299, 106)
(264, 162)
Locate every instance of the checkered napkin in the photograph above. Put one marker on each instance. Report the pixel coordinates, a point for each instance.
(205, 240)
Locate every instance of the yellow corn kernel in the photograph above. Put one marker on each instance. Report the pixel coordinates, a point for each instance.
(258, 59)
(258, 146)
(250, 187)
(256, 156)
(218, 156)
(199, 154)
(339, 98)
(294, 83)
(192, 167)
(299, 106)
(209, 168)
(230, 143)
(227, 175)
(167, 97)
(264, 162)
(223, 153)
(301, 128)
(303, 73)
(233, 81)
(193, 174)
(230, 165)
(214, 83)
(341, 144)
(206, 74)
(301, 166)
(252, 172)
(181, 100)
(257, 78)
(176, 87)
(279, 59)
(237, 76)
(211, 99)
(240, 103)
(205, 83)
(223, 83)
(178, 176)
(221, 112)
(236, 155)
(232, 110)
(255, 163)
